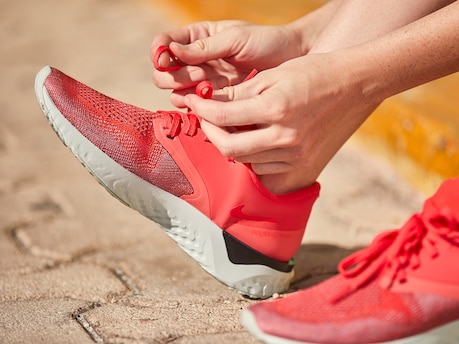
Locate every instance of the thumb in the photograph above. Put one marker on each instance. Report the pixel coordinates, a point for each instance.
(207, 49)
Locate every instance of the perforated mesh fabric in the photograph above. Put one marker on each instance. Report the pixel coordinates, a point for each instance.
(403, 284)
(371, 314)
(122, 131)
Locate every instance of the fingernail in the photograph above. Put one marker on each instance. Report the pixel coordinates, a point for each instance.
(186, 101)
(177, 45)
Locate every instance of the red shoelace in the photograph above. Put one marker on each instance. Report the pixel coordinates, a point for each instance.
(174, 62)
(396, 251)
(176, 121)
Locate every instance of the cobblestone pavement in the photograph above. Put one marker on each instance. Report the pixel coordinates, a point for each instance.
(76, 266)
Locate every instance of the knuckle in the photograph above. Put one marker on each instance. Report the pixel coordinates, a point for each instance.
(288, 138)
(230, 92)
(299, 152)
(227, 150)
(293, 143)
(237, 31)
(279, 111)
(219, 118)
(201, 44)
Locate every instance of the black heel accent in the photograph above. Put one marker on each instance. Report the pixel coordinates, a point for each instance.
(240, 253)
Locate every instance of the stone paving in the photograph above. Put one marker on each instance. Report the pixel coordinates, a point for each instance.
(77, 266)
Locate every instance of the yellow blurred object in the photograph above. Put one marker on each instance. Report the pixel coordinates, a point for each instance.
(418, 130)
(257, 11)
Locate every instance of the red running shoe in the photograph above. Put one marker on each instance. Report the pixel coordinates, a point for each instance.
(402, 288)
(160, 164)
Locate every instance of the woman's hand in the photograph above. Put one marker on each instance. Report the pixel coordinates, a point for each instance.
(222, 52)
(304, 110)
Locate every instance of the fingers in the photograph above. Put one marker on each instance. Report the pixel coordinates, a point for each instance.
(225, 114)
(162, 40)
(183, 35)
(239, 105)
(194, 44)
(182, 78)
(231, 142)
(211, 41)
(250, 147)
(206, 49)
(186, 84)
(179, 76)
(251, 144)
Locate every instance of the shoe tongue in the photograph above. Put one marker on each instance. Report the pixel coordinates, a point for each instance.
(445, 200)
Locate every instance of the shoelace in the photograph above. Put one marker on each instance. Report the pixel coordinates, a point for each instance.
(396, 251)
(175, 121)
(174, 62)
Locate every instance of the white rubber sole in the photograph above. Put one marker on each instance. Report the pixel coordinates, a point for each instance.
(194, 232)
(446, 334)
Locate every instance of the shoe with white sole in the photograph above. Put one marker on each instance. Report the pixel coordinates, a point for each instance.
(402, 289)
(160, 164)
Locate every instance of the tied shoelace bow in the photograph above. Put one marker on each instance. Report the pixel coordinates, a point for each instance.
(175, 121)
(396, 251)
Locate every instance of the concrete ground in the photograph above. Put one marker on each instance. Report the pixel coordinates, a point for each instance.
(76, 266)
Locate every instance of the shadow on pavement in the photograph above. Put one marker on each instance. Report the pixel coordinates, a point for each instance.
(317, 262)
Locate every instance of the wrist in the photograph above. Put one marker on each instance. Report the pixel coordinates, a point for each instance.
(308, 28)
(365, 72)
(419, 52)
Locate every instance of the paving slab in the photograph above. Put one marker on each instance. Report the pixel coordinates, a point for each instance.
(41, 322)
(77, 266)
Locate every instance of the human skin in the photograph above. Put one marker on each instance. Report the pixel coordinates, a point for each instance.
(224, 52)
(310, 100)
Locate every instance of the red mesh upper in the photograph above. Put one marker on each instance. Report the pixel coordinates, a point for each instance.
(122, 131)
(371, 314)
(404, 283)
